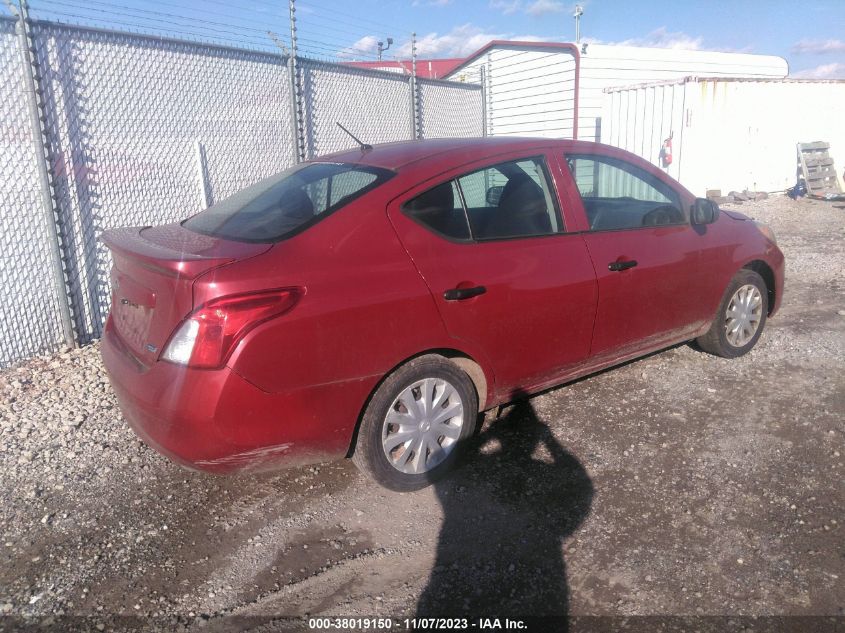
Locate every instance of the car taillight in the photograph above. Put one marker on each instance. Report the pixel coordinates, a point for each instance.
(207, 337)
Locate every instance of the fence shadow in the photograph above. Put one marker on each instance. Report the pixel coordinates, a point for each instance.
(506, 513)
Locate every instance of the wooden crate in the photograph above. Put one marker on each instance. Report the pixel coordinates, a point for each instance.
(816, 165)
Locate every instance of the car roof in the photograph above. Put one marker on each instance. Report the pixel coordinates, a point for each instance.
(399, 155)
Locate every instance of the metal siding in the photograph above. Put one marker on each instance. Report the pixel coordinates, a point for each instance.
(640, 119)
(731, 134)
(606, 66)
(530, 91)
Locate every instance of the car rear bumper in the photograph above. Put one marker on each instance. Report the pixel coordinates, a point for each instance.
(215, 420)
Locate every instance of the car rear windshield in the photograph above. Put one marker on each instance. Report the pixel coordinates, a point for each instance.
(287, 203)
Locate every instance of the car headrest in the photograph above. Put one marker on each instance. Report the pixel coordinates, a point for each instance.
(296, 204)
(522, 195)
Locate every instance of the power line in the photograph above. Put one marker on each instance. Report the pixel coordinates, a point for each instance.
(217, 12)
(76, 5)
(181, 32)
(347, 16)
(179, 23)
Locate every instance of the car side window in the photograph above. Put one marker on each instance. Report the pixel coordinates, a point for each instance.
(440, 210)
(512, 199)
(619, 195)
(330, 191)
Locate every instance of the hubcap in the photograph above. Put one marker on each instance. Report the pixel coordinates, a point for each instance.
(742, 318)
(422, 426)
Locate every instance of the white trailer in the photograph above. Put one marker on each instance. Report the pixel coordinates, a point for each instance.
(728, 133)
(556, 89)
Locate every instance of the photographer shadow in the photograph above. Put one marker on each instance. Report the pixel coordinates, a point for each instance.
(506, 514)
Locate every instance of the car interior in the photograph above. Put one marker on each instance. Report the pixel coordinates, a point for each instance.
(517, 208)
(440, 210)
(617, 195)
(606, 214)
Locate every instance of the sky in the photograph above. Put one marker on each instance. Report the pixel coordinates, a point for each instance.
(809, 35)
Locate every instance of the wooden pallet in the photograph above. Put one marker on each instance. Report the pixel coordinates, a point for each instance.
(816, 165)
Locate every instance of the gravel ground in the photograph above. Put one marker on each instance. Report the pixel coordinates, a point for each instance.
(680, 484)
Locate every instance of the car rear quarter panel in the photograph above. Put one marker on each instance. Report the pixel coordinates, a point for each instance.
(365, 309)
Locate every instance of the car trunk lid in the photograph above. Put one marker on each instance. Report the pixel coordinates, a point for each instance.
(152, 279)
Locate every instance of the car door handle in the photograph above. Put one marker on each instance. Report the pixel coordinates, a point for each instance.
(460, 294)
(625, 265)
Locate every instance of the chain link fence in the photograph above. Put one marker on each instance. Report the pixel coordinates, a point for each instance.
(146, 131)
(142, 130)
(333, 94)
(30, 320)
(442, 104)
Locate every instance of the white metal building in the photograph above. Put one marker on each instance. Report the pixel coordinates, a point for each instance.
(557, 90)
(531, 87)
(728, 134)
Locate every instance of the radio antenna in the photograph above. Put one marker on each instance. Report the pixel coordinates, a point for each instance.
(364, 146)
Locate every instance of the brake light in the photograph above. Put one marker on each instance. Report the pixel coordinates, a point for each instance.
(207, 337)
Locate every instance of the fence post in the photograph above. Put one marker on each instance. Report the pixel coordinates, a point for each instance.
(37, 118)
(202, 175)
(416, 122)
(483, 75)
(295, 89)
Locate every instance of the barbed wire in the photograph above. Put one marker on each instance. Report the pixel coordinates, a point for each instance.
(326, 30)
(132, 12)
(328, 12)
(330, 33)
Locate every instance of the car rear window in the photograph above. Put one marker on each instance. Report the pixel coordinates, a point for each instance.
(287, 203)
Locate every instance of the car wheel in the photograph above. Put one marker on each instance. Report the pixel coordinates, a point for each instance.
(415, 422)
(741, 317)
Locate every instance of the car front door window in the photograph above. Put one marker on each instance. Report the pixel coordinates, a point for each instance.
(619, 195)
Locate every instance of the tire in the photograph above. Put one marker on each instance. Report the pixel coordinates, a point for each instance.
(741, 317)
(419, 396)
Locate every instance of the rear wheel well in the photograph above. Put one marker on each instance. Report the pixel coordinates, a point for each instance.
(764, 270)
(467, 364)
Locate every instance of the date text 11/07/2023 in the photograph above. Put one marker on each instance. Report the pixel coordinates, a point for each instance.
(415, 624)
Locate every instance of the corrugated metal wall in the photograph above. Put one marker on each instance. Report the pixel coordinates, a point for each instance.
(728, 134)
(604, 66)
(530, 90)
(639, 119)
(531, 87)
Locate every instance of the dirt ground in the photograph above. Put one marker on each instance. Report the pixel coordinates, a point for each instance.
(678, 485)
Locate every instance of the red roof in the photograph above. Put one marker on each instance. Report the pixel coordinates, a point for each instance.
(427, 68)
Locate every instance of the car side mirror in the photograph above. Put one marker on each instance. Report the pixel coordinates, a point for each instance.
(494, 194)
(704, 211)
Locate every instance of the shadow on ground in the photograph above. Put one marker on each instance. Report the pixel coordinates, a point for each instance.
(506, 513)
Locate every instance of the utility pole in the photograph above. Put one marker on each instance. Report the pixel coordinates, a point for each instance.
(579, 11)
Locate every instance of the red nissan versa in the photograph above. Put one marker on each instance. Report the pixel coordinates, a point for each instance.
(371, 302)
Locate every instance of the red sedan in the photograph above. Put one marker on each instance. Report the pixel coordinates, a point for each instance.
(371, 302)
